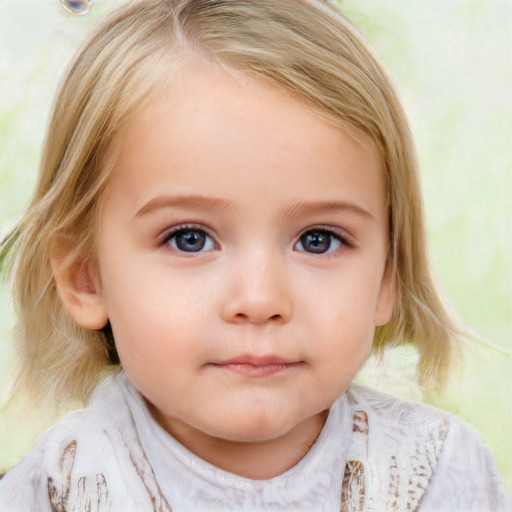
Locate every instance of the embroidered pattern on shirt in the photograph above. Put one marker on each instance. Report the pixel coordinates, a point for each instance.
(402, 471)
(90, 494)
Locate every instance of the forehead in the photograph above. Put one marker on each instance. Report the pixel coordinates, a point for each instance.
(218, 130)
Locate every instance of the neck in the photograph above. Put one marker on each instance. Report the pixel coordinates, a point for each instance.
(259, 460)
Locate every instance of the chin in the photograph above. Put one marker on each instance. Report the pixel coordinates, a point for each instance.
(255, 428)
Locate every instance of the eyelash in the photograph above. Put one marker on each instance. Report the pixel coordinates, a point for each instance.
(334, 233)
(339, 235)
(165, 238)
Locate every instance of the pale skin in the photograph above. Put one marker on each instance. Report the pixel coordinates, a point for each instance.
(241, 261)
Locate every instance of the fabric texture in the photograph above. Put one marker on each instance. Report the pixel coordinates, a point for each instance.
(375, 453)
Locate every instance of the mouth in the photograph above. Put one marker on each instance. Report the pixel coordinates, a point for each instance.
(258, 367)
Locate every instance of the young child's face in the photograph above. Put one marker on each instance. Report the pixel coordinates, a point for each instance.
(241, 253)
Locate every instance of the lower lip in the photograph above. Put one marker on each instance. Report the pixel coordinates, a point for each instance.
(258, 371)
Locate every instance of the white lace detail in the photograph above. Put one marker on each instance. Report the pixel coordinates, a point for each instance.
(409, 446)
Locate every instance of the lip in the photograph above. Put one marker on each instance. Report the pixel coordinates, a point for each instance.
(257, 367)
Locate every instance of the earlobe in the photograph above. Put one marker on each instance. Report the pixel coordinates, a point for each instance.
(77, 284)
(387, 298)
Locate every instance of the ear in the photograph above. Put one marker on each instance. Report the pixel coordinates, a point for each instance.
(387, 298)
(77, 284)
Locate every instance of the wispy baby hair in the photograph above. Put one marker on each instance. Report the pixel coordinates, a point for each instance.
(303, 46)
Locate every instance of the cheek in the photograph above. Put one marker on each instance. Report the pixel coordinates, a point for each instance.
(343, 313)
(154, 314)
(347, 297)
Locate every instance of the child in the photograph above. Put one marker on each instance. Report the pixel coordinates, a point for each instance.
(227, 222)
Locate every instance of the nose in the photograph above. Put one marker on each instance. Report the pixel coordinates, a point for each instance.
(258, 293)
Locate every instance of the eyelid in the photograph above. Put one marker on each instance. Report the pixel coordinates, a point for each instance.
(169, 232)
(346, 238)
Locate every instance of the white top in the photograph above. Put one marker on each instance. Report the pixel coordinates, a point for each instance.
(384, 453)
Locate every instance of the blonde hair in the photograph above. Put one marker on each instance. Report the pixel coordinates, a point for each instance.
(304, 46)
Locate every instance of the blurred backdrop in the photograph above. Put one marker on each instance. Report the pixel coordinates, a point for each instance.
(451, 61)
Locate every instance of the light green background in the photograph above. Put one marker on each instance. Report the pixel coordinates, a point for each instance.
(452, 63)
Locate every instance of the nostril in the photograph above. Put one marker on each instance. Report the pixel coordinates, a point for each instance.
(257, 318)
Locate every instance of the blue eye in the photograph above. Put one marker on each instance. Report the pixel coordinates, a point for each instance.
(190, 240)
(319, 241)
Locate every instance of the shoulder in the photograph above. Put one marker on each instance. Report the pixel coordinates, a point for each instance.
(426, 451)
(389, 409)
(397, 438)
(82, 454)
(84, 437)
(413, 422)
(400, 425)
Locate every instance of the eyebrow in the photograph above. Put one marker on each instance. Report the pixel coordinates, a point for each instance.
(218, 204)
(183, 201)
(318, 207)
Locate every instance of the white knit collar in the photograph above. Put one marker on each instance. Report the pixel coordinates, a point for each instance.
(188, 481)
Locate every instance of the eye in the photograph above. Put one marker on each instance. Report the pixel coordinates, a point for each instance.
(319, 241)
(185, 239)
